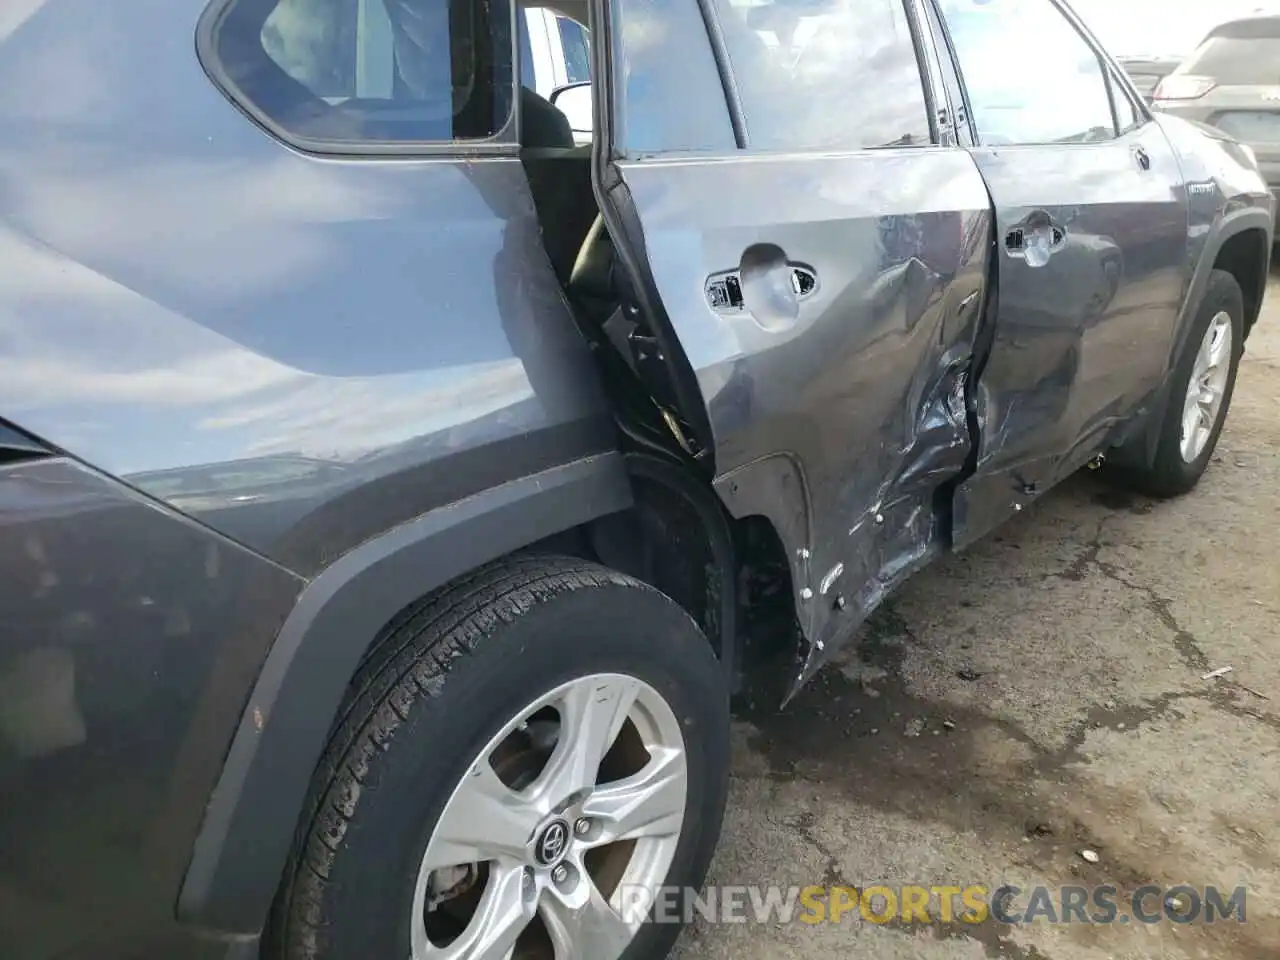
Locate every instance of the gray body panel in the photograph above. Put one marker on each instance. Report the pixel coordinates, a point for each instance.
(1081, 341)
(844, 422)
(287, 396)
(839, 426)
(301, 352)
(330, 362)
(1226, 196)
(129, 640)
(1236, 111)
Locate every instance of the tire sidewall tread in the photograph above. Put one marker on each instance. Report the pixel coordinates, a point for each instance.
(439, 683)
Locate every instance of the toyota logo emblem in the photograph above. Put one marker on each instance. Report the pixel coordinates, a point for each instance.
(553, 842)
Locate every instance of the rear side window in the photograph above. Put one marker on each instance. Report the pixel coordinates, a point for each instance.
(825, 74)
(369, 71)
(1237, 61)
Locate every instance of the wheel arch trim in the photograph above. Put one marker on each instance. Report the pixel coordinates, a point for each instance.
(240, 852)
(703, 501)
(1232, 224)
(1146, 433)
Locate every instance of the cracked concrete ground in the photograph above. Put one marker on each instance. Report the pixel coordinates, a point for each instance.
(1053, 676)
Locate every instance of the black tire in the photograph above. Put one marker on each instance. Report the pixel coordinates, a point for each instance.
(1169, 475)
(436, 688)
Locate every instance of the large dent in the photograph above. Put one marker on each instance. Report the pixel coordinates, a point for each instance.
(897, 527)
(840, 422)
(1082, 336)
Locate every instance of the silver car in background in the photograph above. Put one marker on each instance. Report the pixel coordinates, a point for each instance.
(1232, 82)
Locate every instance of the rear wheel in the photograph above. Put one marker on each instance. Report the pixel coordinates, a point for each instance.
(524, 762)
(1203, 382)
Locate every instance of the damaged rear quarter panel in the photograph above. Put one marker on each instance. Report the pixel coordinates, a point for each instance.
(840, 425)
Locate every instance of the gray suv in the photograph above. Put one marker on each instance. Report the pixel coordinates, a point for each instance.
(393, 493)
(1232, 81)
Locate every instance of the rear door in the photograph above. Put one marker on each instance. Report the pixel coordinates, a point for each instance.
(820, 258)
(1091, 242)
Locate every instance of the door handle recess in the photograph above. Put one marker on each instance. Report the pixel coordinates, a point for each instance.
(1035, 240)
(767, 286)
(724, 290)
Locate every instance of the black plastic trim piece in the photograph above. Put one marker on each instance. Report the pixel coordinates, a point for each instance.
(1233, 225)
(621, 220)
(724, 634)
(724, 66)
(240, 853)
(924, 72)
(16, 445)
(1135, 447)
(947, 50)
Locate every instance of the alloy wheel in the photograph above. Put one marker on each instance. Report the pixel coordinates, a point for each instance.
(1202, 405)
(570, 815)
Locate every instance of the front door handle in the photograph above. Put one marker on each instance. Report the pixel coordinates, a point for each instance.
(1141, 158)
(1036, 239)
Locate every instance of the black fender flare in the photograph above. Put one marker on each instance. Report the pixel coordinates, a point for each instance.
(1232, 224)
(240, 852)
(717, 609)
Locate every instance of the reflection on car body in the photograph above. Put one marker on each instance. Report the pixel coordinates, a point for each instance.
(397, 475)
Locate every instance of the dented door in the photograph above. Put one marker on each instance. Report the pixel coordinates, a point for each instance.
(826, 296)
(1091, 235)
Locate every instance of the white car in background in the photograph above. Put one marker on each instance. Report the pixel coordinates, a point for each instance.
(555, 53)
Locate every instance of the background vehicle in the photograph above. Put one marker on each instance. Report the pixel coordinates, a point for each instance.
(1232, 81)
(1146, 72)
(554, 50)
(392, 489)
(1150, 38)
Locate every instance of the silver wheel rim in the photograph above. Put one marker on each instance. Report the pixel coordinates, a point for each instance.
(557, 856)
(1208, 386)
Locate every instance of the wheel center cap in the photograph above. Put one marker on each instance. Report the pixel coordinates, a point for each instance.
(552, 843)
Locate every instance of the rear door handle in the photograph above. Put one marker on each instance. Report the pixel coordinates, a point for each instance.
(1141, 158)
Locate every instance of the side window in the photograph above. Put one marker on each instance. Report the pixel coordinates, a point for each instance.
(670, 98)
(575, 39)
(370, 71)
(1002, 46)
(825, 74)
